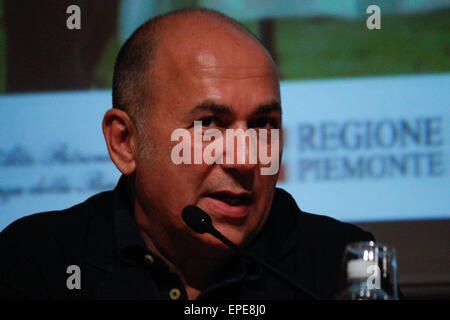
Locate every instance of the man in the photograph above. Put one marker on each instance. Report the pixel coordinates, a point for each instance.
(187, 66)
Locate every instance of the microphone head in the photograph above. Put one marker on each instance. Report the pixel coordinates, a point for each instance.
(197, 219)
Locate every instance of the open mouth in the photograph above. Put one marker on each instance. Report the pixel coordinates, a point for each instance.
(232, 200)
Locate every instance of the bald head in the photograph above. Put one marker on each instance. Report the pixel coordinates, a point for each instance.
(161, 47)
(176, 71)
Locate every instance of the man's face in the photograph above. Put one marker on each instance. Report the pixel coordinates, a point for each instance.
(227, 85)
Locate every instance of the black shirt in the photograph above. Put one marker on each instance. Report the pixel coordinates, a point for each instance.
(100, 237)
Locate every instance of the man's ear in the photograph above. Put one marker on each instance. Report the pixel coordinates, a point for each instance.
(121, 139)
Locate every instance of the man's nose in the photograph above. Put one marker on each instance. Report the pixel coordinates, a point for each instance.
(241, 149)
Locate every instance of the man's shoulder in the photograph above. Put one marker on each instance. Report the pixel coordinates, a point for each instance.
(40, 247)
(323, 229)
(69, 223)
(320, 227)
(320, 241)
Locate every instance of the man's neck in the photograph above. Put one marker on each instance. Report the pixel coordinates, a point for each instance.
(197, 274)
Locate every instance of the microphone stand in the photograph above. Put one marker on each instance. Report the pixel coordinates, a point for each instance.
(215, 233)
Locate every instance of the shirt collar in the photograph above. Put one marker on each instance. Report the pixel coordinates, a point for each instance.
(271, 244)
(131, 246)
(128, 238)
(278, 236)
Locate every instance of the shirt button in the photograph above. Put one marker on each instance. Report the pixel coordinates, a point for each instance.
(149, 259)
(174, 294)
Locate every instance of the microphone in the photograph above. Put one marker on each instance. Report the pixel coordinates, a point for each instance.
(200, 222)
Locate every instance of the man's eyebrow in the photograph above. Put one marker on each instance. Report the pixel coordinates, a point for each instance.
(224, 109)
(211, 107)
(268, 108)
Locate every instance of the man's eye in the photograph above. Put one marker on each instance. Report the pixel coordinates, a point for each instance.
(208, 121)
(264, 123)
